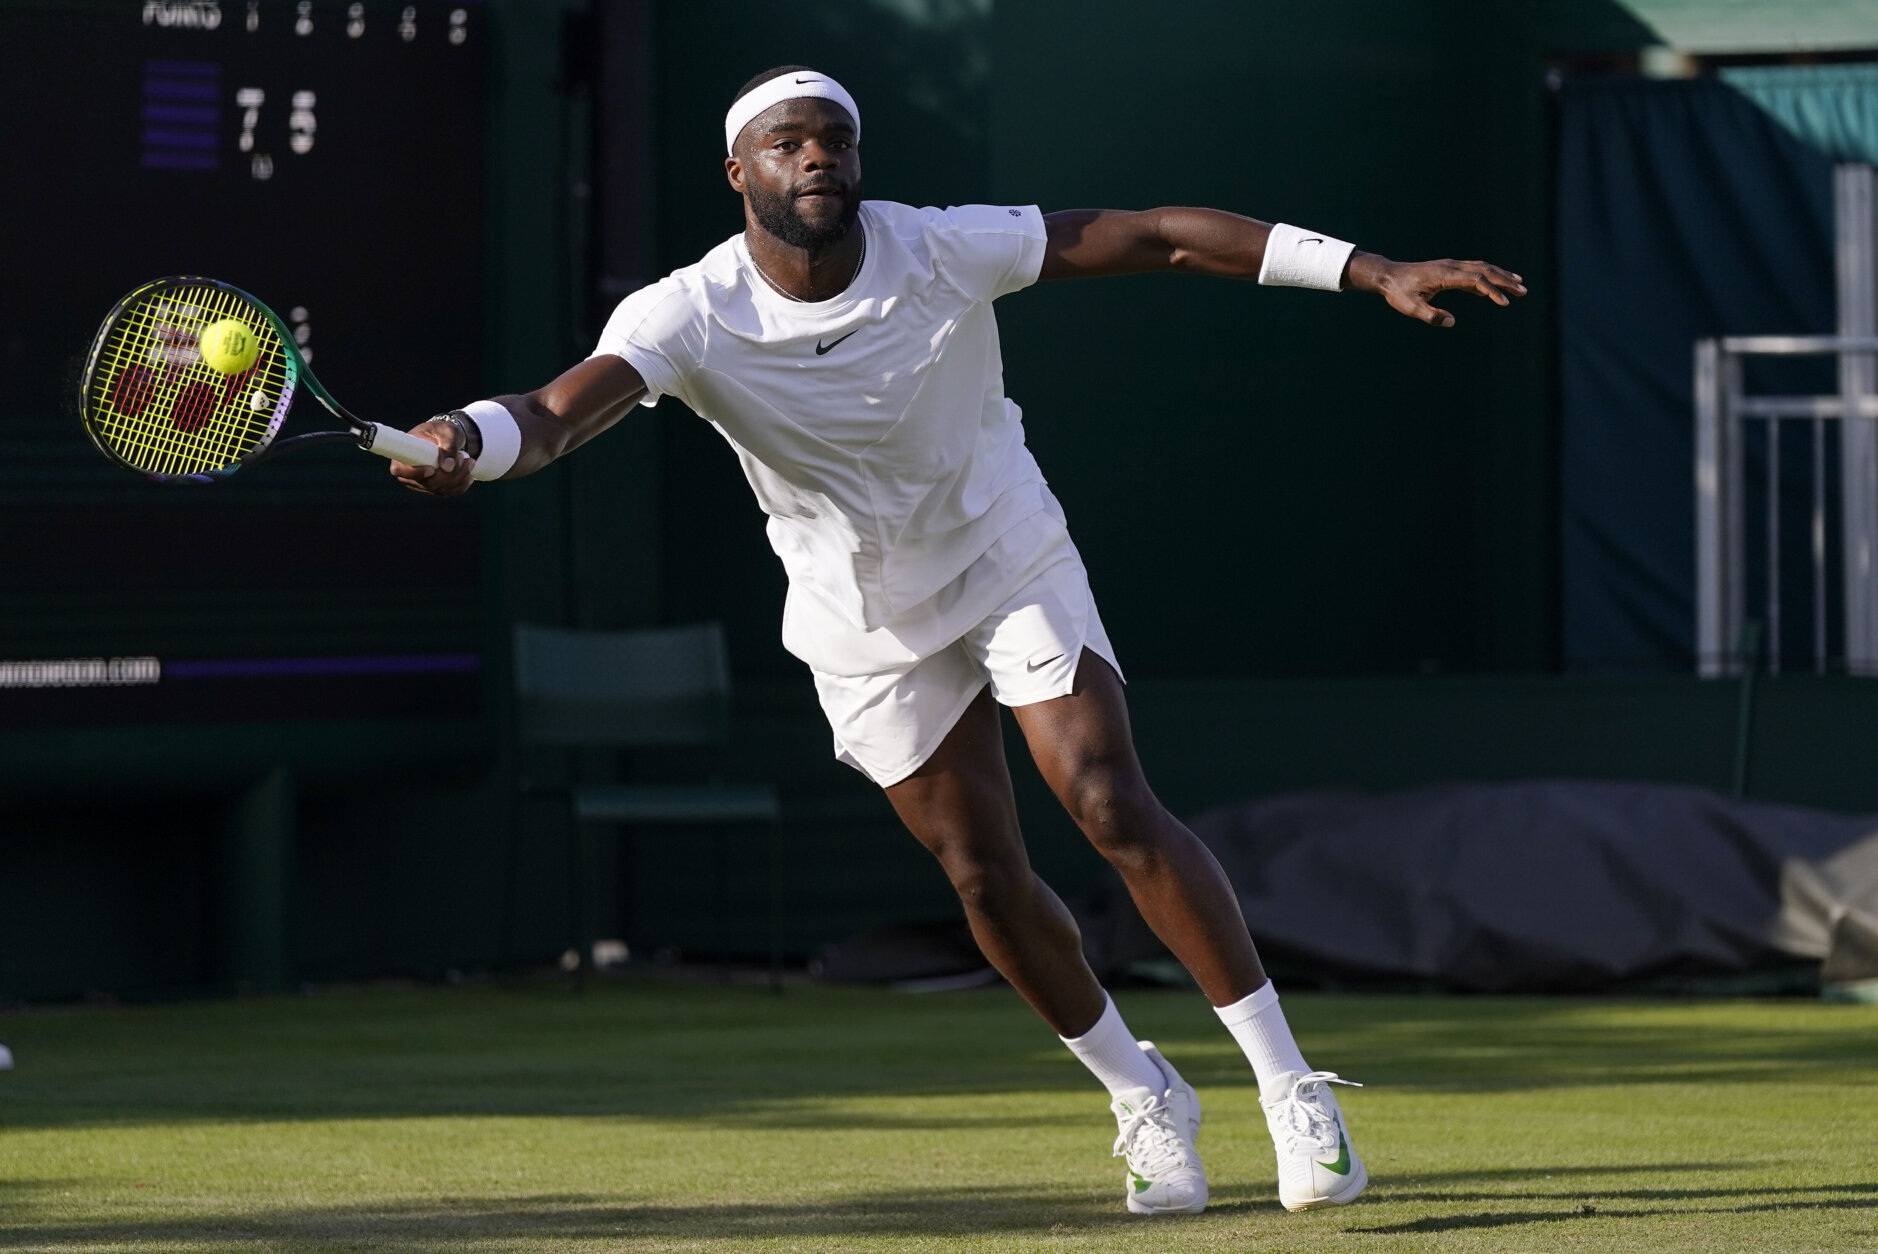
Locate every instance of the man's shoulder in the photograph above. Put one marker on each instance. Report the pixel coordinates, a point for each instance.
(951, 235)
(688, 290)
(910, 221)
(894, 216)
(717, 269)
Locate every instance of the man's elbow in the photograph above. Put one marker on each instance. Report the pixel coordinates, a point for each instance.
(1161, 240)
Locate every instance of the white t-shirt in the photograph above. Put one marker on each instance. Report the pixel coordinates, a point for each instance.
(873, 426)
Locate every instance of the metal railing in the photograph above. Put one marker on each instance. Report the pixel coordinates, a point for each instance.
(1723, 412)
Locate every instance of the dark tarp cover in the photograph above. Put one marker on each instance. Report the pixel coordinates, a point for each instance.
(1684, 211)
(1501, 887)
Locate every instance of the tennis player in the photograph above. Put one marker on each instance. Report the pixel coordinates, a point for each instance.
(847, 350)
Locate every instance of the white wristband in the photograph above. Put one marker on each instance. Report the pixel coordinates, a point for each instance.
(502, 439)
(1295, 257)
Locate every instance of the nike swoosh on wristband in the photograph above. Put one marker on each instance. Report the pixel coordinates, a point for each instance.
(821, 348)
(1318, 240)
(1034, 667)
(1340, 1164)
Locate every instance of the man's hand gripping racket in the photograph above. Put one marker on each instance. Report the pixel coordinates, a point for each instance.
(189, 380)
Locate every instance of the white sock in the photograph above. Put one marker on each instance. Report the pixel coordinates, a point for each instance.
(1109, 1050)
(1257, 1023)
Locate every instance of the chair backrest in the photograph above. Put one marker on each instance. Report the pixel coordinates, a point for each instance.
(661, 686)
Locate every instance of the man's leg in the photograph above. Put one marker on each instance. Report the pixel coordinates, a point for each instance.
(1084, 748)
(959, 805)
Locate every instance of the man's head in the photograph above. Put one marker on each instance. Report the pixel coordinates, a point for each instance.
(792, 134)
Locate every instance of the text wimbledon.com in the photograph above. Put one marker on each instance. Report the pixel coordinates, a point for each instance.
(80, 672)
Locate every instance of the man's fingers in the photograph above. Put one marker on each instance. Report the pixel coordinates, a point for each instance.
(1433, 315)
(1502, 281)
(1485, 287)
(1467, 276)
(451, 476)
(1415, 283)
(1495, 284)
(1505, 278)
(407, 472)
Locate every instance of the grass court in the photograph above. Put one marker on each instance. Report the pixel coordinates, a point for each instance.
(655, 1116)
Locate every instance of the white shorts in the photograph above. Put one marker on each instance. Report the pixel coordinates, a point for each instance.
(889, 721)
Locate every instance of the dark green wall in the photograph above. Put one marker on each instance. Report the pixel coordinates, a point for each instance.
(1292, 503)
(1263, 482)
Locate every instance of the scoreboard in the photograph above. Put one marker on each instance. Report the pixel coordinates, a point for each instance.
(328, 156)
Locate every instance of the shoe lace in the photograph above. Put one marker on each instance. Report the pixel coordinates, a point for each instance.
(1147, 1138)
(1306, 1117)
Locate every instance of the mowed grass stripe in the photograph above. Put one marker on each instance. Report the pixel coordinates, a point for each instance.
(661, 1117)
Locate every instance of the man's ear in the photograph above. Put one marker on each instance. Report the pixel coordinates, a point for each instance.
(733, 170)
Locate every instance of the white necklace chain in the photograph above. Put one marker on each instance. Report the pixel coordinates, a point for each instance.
(786, 293)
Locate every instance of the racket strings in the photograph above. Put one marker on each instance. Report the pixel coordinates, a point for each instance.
(162, 409)
(144, 348)
(168, 328)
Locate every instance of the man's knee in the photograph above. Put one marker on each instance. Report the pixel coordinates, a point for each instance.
(1117, 812)
(985, 874)
(990, 884)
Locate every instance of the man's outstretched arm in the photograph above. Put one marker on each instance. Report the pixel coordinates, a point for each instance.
(1084, 243)
(550, 421)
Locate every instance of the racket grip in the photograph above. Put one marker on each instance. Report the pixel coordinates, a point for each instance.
(399, 446)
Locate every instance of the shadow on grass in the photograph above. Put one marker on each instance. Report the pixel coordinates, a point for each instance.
(1595, 1211)
(742, 1058)
(1597, 1197)
(457, 1223)
(1587, 1169)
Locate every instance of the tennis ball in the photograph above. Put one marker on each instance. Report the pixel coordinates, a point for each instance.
(229, 346)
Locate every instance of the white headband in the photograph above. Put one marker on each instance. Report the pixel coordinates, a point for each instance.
(783, 87)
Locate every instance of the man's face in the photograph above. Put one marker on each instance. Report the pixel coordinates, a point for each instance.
(796, 162)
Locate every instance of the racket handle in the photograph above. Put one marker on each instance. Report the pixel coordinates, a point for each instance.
(399, 446)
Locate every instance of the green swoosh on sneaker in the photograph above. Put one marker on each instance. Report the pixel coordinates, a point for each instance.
(1142, 1183)
(1341, 1165)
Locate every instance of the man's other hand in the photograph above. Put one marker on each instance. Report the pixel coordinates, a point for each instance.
(1408, 286)
(450, 476)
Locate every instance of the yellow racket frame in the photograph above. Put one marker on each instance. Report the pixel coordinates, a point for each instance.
(153, 405)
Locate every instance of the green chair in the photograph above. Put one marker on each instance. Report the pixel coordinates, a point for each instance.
(626, 690)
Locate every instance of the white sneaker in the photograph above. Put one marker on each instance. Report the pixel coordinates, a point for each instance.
(1155, 1135)
(1316, 1166)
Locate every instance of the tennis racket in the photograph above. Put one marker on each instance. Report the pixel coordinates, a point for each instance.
(189, 380)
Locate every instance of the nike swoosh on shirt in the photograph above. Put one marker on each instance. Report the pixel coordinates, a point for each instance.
(821, 348)
(1033, 667)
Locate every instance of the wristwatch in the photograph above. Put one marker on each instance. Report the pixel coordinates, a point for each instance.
(469, 438)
